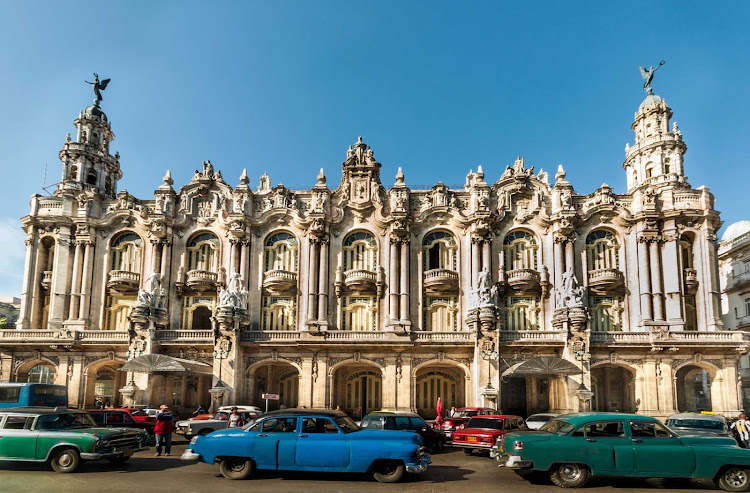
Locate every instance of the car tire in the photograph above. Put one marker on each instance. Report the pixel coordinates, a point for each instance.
(236, 467)
(734, 478)
(65, 460)
(119, 460)
(468, 451)
(389, 472)
(569, 475)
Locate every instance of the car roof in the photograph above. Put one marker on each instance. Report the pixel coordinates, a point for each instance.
(474, 409)
(394, 413)
(542, 414)
(581, 418)
(707, 417)
(497, 416)
(41, 410)
(329, 413)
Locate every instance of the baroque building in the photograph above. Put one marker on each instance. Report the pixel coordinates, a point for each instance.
(520, 294)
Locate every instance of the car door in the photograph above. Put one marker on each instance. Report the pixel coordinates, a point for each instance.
(17, 439)
(320, 444)
(657, 450)
(608, 448)
(275, 443)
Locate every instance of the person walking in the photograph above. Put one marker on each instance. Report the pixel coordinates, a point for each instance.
(235, 419)
(742, 428)
(163, 430)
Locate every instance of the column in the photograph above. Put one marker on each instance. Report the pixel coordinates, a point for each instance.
(644, 276)
(157, 256)
(323, 282)
(656, 293)
(244, 254)
(312, 281)
(76, 288)
(165, 256)
(672, 284)
(232, 257)
(570, 261)
(31, 295)
(475, 260)
(584, 268)
(404, 266)
(486, 260)
(559, 262)
(88, 261)
(393, 280)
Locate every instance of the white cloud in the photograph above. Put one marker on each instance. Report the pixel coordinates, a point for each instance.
(12, 251)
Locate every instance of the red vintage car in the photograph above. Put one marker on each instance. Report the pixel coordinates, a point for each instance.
(461, 416)
(481, 432)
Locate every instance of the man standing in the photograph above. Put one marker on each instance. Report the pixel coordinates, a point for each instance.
(452, 412)
(163, 430)
(742, 428)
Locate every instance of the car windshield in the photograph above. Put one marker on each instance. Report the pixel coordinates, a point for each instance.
(492, 424)
(138, 413)
(465, 414)
(703, 424)
(347, 424)
(373, 422)
(540, 418)
(66, 421)
(557, 426)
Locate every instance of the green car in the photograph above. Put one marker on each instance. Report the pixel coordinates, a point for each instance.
(574, 447)
(63, 437)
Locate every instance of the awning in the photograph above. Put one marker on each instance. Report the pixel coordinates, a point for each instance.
(161, 363)
(542, 365)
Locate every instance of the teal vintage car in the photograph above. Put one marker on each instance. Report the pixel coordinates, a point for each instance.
(63, 438)
(575, 447)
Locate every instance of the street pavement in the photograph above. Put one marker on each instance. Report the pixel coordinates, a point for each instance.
(450, 471)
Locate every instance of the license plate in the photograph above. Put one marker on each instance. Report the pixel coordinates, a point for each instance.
(472, 439)
(128, 453)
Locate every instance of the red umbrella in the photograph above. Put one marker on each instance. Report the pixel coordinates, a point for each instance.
(439, 408)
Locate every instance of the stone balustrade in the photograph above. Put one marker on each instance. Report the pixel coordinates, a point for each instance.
(102, 335)
(201, 280)
(678, 337)
(440, 280)
(184, 335)
(449, 336)
(523, 279)
(122, 280)
(355, 335)
(278, 280)
(27, 335)
(360, 280)
(269, 335)
(532, 335)
(604, 281)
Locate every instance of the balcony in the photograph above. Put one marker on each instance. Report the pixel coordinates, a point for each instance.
(523, 279)
(671, 338)
(46, 280)
(606, 281)
(270, 335)
(355, 335)
(454, 337)
(360, 280)
(194, 336)
(533, 336)
(279, 281)
(739, 281)
(122, 281)
(201, 280)
(691, 280)
(441, 280)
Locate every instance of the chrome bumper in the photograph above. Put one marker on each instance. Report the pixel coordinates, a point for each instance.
(478, 446)
(514, 462)
(110, 455)
(191, 456)
(414, 468)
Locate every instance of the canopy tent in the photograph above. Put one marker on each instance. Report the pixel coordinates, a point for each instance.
(542, 365)
(161, 363)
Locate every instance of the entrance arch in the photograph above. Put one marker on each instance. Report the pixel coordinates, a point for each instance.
(36, 371)
(358, 389)
(614, 389)
(438, 381)
(273, 378)
(103, 382)
(694, 389)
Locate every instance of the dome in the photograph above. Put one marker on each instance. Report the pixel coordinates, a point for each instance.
(735, 230)
(95, 111)
(650, 100)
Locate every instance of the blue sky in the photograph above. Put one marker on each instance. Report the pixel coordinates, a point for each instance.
(435, 87)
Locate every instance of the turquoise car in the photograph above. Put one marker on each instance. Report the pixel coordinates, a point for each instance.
(575, 447)
(310, 440)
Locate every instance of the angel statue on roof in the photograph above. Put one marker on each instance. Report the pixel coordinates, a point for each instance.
(648, 76)
(98, 87)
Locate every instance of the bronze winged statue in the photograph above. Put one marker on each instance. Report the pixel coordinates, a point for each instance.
(648, 76)
(98, 87)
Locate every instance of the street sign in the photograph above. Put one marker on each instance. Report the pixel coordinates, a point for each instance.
(270, 397)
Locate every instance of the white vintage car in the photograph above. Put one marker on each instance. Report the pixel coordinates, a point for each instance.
(194, 427)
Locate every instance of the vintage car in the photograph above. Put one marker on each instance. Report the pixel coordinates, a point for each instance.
(405, 421)
(310, 440)
(698, 424)
(459, 419)
(63, 438)
(193, 427)
(536, 421)
(481, 433)
(122, 418)
(575, 447)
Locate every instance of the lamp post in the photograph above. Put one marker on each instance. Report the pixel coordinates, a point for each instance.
(489, 354)
(584, 357)
(217, 391)
(220, 353)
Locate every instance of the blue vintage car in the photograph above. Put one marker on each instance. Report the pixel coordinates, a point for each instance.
(310, 440)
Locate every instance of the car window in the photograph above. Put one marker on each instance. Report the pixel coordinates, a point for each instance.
(417, 423)
(402, 423)
(557, 426)
(17, 422)
(390, 423)
(98, 418)
(605, 429)
(347, 424)
(280, 425)
(704, 424)
(318, 425)
(114, 418)
(255, 427)
(648, 429)
(487, 423)
(373, 422)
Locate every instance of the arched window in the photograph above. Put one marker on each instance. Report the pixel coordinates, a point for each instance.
(433, 384)
(360, 252)
(289, 389)
(358, 313)
(73, 175)
(278, 313)
(41, 374)
(522, 313)
(91, 177)
(201, 318)
(603, 250)
(519, 250)
(363, 392)
(686, 252)
(104, 386)
(281, 252)
(606, 313)
(649, 170)
(694, 389)
(126, 252)
(118, 311)
(203, 252)
(440, 251)
(667, 166)
(108, 186)
(440, 314)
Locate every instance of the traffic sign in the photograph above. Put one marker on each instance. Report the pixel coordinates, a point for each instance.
(270, 397)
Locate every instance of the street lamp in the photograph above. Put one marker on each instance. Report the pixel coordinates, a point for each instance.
(220, 353)
(584, 357)
(489, 355)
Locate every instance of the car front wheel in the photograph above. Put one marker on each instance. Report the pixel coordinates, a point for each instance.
(569, 475)
(65, 460)
(389, 472)
(236, 468)
(735, 479)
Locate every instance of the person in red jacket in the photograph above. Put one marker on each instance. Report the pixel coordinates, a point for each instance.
(163, 430)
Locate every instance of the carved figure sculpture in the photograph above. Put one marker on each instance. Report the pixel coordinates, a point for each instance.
(648, 76)
(98, 87)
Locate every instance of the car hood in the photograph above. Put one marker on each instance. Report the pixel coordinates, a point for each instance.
(528, 436)
(710, 440)
(104, 432)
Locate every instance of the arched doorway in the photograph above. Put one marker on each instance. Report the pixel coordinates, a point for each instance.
(103, 383)
(41, 374)
(614, 389)
(433, 382)
(693, 389)
(358, 390)
(274, 378)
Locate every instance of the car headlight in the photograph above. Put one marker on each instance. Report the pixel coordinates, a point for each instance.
(104, 443)
(195, 439)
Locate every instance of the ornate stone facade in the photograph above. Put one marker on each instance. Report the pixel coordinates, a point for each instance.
(496, 294)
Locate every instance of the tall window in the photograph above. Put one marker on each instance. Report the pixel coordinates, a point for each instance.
(606, 313)
(198, 311)
(686, 253)
(278, 313)
(522, 313)
(747, 307)
(360, 252)
(440, 314)
(603, 250)
(41, 374)
(358, 313)
(519, 249)
(203, 252)
(118, 310)
(667, 166)
(440, 251)
(281, 252)
(126, 253)
(691, 313)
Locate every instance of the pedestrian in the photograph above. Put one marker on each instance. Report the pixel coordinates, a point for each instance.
(235, 419)
(163, 430)
(742, 428)
(452, 412)
(338, 408)
(198, 411)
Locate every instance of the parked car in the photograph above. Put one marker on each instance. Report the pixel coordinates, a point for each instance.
(698, 424)
(405, 421)
(482, 432)
(535, 421)
(63, 438)
(575, 447)
(122, 418)
(310, 440)
(460, 418)
(192, 427)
